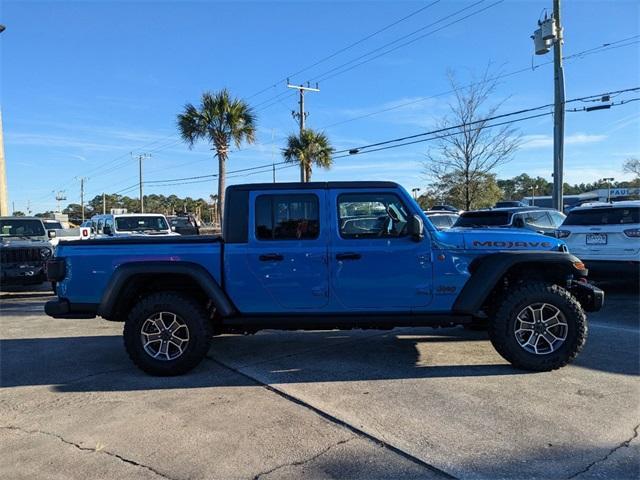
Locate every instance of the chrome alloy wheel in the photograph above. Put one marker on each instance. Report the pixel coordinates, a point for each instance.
(164, 336)
(540, 328)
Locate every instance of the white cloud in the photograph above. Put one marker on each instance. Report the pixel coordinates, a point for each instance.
(544, 141)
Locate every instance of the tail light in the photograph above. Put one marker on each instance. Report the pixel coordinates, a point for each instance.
(562, 233)
(632, 232)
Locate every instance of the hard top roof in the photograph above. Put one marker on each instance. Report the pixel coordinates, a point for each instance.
(312, 185)
(510, 209)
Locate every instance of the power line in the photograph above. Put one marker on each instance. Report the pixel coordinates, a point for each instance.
(508, 122)
(323, 76)
(327, 75)
(344, 49)
(464, 125)
(590, 51)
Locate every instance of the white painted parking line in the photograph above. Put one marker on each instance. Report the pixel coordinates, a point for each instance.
(612, 327)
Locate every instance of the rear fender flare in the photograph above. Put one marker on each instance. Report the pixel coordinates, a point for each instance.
(199, 274)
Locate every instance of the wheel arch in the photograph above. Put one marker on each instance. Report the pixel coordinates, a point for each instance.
(131, 280)
(488, 273)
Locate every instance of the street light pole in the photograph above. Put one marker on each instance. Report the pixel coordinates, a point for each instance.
(608, 180)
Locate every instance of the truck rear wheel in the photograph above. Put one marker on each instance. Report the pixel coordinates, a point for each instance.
(539, 327)
(167, 334)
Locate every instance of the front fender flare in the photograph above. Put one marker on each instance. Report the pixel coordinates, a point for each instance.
(489, 269)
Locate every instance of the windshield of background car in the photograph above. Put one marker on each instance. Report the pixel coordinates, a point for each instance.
(180, 222)
(483, 219)
(133, 224)
(442, 221)
(21, 228)
(604, 216)
(53, 225)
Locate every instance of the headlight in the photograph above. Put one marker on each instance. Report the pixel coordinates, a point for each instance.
(45, 253)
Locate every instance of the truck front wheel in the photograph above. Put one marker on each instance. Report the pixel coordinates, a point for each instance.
(167, 334)
(539, 327)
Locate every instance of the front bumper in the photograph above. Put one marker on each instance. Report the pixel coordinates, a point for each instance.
(62, 308)
(22, 274)
(590, 297)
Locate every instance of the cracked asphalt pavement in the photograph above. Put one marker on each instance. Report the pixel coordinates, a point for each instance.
(406, 403)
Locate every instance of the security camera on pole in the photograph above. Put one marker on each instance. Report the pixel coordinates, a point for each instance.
(548, 34)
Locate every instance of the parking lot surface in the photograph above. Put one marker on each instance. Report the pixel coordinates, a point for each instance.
(405, 403)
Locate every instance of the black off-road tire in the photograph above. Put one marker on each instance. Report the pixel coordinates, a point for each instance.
(193, 315)
(502, 326)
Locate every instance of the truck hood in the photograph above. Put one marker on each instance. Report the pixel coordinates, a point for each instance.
(15, 242)
(497, 239)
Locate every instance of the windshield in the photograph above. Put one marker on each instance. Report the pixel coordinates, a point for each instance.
(21, 228)
(53, 225)
(180, 222)
(483, 219)
(137, 224)
(442, 221)
(604, 216)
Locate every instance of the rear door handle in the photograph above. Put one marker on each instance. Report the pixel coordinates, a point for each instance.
(348, 256)
(271, 257)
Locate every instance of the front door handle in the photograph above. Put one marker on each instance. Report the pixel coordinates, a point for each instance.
(348, 256)
(271, 257)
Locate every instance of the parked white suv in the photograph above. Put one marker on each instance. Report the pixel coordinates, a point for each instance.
(605, 236)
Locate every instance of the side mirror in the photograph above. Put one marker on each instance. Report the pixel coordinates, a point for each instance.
(51, 233)
(416, 228)
(107, 230)
(518, 222)
(173, 228)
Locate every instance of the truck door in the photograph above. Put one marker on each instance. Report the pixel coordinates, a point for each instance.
(287, 249)
(374, 263)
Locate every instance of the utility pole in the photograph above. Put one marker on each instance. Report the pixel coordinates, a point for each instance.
(82, 180)
(558, 113)
(550, 33)
(4, 194)
(301, 115)
(104, 203)
(140, 158)
(273, 161)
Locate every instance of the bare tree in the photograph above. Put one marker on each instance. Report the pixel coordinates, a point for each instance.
(464, 156)
(632, 165)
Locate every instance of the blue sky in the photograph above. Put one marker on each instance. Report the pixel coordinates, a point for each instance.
(86, 83)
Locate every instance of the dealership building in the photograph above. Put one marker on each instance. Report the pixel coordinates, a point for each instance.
(599, 195)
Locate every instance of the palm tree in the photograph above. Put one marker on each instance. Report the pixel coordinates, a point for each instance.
(219, 120)
(308, 149)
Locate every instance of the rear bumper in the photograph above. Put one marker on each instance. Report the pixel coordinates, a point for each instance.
(590, 297)
(61, 308)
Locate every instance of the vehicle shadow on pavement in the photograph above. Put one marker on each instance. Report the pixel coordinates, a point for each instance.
(99, 363)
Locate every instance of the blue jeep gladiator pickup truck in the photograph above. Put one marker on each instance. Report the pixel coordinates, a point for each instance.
(327, 256)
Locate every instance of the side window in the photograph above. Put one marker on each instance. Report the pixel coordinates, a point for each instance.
(287, 217)
(371, 215)
(100, 225)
